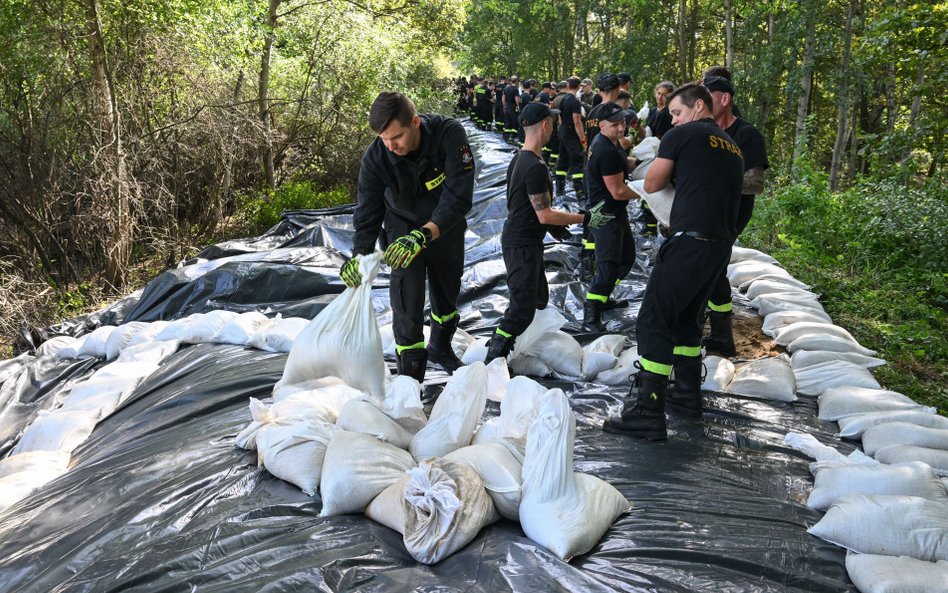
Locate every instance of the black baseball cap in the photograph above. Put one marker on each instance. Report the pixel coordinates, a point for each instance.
(535, 113)
(608, 81)
(612, 112)
(624, 77)
(719, 83)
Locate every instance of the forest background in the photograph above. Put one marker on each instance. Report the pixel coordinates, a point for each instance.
(132, 133)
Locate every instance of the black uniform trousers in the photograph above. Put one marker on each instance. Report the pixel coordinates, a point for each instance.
(526, 285)
(570, 161)
(511, 123)
(615, 255)
(720, 298)
(675, 296)
(442, 262)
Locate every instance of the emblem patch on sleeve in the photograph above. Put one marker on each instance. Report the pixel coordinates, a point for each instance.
(467, 159)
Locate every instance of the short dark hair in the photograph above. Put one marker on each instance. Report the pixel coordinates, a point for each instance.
(689, 93)
(389, 106)
(624, 94)
(717, 71)
(573, 82)
(665, 84)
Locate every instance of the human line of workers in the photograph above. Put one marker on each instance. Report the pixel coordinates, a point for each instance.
(416, 185)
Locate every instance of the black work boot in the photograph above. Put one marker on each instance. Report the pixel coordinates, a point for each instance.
(499, 346)
(643, 416)
(684, 395)
(592, 316)
(721, 338)
(580, 193)
(439, 348)
(560, 185)
(412, 362)
(612, 303)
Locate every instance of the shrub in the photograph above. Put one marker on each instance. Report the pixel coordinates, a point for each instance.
(262, 210)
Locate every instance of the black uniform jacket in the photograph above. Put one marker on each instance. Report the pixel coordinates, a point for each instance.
(405, 193)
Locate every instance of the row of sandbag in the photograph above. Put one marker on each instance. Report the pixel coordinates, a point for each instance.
(341, 425)
(440, 480)
(892, 518)
(44, 451)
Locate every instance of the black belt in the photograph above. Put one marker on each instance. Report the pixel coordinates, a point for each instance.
(697, 235)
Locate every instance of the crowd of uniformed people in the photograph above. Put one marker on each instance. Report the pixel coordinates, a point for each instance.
(416, 185)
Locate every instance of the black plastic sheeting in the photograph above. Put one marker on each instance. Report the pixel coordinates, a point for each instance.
(160, 499)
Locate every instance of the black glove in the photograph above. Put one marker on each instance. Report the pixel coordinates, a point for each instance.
(560, 233)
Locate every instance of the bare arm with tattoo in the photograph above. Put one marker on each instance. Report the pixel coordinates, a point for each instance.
(547, 215)
(753, 181)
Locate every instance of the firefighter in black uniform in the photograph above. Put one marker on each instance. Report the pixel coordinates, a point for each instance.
(529, 212)
(511, 108)
(707, 168)
(560, 180)
(605, 185)
(499, 103)
(572, 139)
(751, 143)
(417, 178)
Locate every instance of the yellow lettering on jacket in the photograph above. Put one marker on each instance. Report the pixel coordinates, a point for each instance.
(435, 182)
(716, 142)
(713, 140)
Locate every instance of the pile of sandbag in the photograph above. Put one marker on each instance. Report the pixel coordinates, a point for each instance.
(339, 426)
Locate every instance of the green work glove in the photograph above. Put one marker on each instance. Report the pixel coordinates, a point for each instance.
(350, 273)
(595, 217)
(405, 249)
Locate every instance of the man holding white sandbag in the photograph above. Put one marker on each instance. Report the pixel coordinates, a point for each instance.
(707, 169)
(416, 180)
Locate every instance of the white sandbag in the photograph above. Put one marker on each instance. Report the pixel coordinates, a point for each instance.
(852, 427)
(842, 402)
(343, 340)
(335, 388)
(71, 351)
(59, 430)
(530, 366)
(241, 328)
(873, 573)
(601, 355)
(762, 287)
(909, 479)
(768, 304)
(359, 415)
(780, 319)
(788, 333)
(518, 410)
(149, 334)
(387, 337)
(559, 351)
(150, 352)
(100, 395)
(719, 373)
(828, 343)
(739, 254)
(388, 508)
(767, 378)
(545, 321)
(16, 487)
(446, 507)
(460, 342)
(890, 525)
(789, 281)
(802, 359)
(498, 376)
(120, 337)
(624, 369)
(565, 512)
(454, 415)
(747, 270)
(295, 452)
(903, 433)
(403, 403)
(812, 448)
(204, 327)
(52, 346)
(499, 470)
(475, 352)
(125, 370)
(659, 202)
(94, 344)
(357, 468)
(817, 378)
(176, 330)
(48, 461)
(646, 149)
(936, 458)
(278, 336)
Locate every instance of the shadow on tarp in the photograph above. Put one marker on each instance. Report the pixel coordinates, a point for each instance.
(160, 499)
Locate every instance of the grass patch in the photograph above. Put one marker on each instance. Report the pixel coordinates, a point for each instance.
(261, 210)
(877, 252)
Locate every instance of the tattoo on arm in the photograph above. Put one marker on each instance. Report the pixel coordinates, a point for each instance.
(753, 181)
(540, 201)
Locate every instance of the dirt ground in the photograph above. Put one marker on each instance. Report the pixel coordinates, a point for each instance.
(751, 342)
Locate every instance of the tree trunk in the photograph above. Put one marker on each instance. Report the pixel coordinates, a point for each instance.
(683, 40)
(112, 187)
(218, 208)
(765, 99)
(842, 100)
(917, 100)
(806, 83)
(890, 107)
(728, 35)
(263, 94)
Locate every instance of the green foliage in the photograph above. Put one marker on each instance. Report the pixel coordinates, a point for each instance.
(76, 301)
(263, 209)
(877, 254)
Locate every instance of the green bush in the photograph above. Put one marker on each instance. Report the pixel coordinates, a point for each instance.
(262, 210)
(877, 252)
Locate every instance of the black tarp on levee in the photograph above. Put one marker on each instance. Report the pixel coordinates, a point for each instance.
(160, 499)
